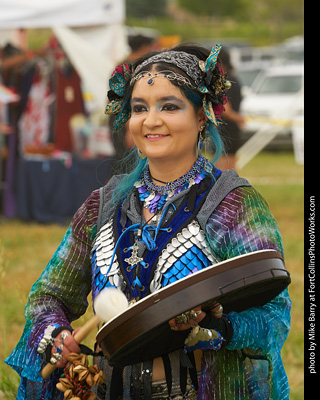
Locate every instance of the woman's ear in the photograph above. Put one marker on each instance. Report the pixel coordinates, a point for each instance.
(202, 118)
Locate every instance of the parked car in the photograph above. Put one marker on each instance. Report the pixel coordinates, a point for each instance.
(291, 49)
(247, 72)
(275, 98)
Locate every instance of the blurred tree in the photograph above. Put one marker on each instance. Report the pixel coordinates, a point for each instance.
(279, 10)
(146, 8)
(225, 8)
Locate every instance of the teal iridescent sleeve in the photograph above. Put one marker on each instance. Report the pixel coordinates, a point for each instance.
(243, 223)
(59, 297)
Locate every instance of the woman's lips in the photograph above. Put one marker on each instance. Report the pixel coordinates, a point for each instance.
(154, 137)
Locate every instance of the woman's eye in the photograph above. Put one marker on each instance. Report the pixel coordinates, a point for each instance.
(170, 107)
(138, 108)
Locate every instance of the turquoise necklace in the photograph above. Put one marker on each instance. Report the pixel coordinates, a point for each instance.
(154, 197)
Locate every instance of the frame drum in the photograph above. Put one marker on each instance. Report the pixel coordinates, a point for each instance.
(250, 280)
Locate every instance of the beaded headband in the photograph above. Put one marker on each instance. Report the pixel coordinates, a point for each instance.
(208, 77)
(186, 62)
(172, 76)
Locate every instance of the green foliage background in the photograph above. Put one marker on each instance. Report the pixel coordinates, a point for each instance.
(262, 22)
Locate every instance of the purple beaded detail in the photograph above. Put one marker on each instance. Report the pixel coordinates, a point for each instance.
(154, 197)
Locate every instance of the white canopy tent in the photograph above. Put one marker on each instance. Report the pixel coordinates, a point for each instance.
(44, 13)
(92, 34)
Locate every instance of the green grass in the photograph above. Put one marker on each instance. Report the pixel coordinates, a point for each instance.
(25, 250)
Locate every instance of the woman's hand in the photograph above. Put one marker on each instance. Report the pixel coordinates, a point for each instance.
(64, 344)
(179, 323)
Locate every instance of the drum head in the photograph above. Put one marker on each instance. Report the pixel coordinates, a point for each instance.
(142, 331)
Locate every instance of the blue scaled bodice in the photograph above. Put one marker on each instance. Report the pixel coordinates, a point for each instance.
(180, 248)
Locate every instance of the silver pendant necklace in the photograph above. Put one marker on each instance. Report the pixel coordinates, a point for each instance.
(134, 259)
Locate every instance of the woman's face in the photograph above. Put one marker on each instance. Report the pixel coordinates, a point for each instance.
(164, 123)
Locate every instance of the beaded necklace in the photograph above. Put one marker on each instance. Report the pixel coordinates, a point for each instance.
(154, 196)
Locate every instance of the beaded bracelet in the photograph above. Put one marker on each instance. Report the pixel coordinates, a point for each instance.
(203, 339)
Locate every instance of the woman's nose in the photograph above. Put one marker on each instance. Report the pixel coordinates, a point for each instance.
(152, 118)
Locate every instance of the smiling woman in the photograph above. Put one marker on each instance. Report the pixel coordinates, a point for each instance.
(165, 128)
(172, 215)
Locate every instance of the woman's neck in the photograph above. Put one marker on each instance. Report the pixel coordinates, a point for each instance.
(165, 172)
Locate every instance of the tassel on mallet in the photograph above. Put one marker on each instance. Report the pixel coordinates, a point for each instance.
(108, 303)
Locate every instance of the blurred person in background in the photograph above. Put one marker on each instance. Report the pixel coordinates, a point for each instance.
(166, 204)
(10, 57)
(234, 122)
(12, 60)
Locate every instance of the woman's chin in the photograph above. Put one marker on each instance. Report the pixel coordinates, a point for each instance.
(157, 153)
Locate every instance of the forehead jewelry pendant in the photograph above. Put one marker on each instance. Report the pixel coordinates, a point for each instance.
(134, 259)
(150, 81)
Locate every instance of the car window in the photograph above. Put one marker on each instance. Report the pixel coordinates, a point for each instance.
(280, 84)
